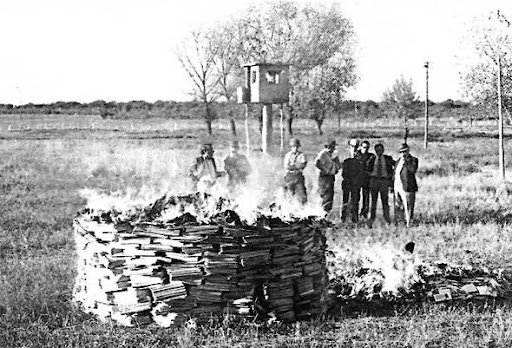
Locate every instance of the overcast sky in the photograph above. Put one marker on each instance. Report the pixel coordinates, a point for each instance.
(84, 50)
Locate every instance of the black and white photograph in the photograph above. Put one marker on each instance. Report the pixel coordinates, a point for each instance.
(255, 173)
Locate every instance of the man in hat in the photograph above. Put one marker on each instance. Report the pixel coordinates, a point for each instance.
(236, 166)
(405, 185)
(294, 163)
(364, 155)
(353, 174)
(380, 169)
(204, 172)
(328, 163)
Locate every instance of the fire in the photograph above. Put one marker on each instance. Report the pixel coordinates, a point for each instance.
(262, 194)
(381, 271)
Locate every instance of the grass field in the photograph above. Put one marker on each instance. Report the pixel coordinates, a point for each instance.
(463, 214)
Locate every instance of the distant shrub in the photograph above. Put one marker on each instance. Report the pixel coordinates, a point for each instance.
(447, 169)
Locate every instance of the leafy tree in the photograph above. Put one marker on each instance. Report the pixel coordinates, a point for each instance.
(400, 100)
(304, 36)
(489, 39)
(326, 86)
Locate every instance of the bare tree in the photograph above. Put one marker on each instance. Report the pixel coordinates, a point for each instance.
(197, 55)
(227, 66)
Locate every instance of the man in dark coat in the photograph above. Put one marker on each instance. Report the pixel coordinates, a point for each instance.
(328, 165)
(203, 171)
(353, 174)
(405, 185)
(364, 155)
(380, 170)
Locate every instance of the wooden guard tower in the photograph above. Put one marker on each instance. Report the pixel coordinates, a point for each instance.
(266, 84)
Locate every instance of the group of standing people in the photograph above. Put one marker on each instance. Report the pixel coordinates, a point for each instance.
(365, 177)
(204, 173)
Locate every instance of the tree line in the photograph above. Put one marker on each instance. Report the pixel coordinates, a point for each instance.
(350, 109)
(318, 41)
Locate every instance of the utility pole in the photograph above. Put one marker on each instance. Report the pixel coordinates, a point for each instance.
(501, 153)
(426, 106)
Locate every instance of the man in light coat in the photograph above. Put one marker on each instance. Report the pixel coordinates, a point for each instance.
(328, 165)
(294, 163)
(405, 185)
(236, 166)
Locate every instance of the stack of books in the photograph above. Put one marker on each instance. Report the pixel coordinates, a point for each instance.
(146, 270)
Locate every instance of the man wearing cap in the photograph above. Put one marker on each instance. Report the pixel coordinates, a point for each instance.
(236, 166)
(294, 163)
(353, 174)
(328, 163)
(364, 155)
(204, 170)
(380, 169)
(405, 185)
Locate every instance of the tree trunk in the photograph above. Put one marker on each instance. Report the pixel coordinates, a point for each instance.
(319, 123)
(209, 126)
(208, 119)
(289, 122)
(233, 127)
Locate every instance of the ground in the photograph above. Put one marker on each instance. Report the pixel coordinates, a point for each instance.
(463, 214)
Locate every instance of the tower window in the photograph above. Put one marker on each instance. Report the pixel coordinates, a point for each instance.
(272, 77)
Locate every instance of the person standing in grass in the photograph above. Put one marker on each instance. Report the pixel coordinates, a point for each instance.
(405, 185)
(204, 170)
(329, 164)
(294, 163)
(236, 166)
(380, 169)
(353, 174)
(364, 155)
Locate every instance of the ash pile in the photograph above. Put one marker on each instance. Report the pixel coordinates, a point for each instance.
(192, 256)
(386, 278)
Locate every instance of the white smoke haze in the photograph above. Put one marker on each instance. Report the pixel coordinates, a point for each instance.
(145, 175)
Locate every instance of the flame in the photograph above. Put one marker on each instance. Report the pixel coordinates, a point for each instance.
(262, 194)
(374, 270)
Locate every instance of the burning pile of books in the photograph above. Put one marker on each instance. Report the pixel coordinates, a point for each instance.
(146, 269)
(389, 277)
(466, 283)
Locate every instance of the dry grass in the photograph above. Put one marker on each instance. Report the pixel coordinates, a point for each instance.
(464, 216)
